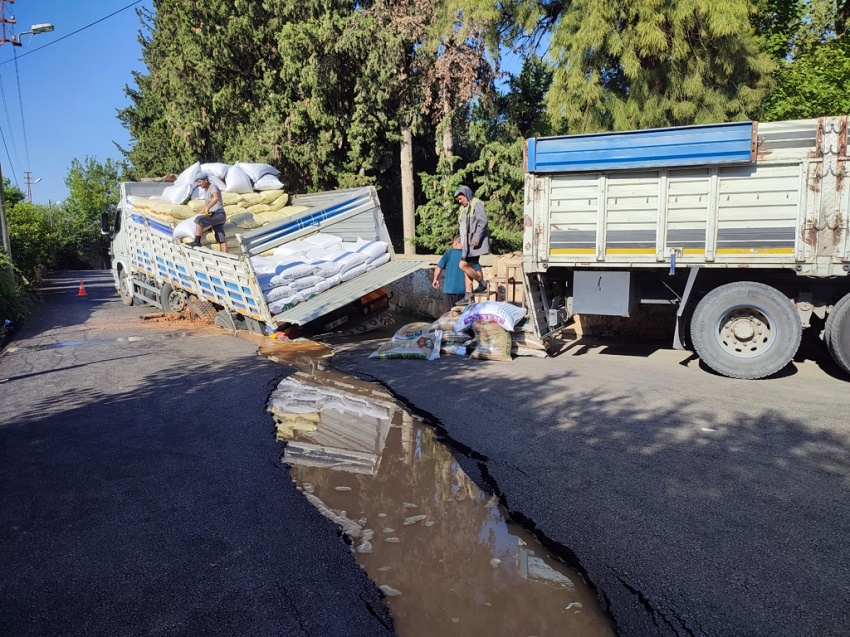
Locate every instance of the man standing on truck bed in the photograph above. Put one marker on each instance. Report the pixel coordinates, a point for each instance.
(474, 235)
(214, 215)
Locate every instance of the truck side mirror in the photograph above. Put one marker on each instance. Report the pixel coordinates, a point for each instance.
(104, 223)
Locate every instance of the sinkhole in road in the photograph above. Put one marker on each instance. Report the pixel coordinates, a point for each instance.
(444, 552)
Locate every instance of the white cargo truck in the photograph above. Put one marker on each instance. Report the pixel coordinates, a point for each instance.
(742, 227)
(151, 267)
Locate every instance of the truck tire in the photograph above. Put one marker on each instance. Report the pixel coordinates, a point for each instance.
(173, 300)
(200, 310)
(837, 333)
(124, 289)
(746, 330)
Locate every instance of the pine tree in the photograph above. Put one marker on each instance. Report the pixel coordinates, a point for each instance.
(646, 63)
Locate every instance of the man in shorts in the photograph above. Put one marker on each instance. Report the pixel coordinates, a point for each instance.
(454, 286)
(474, 236)
(213, 213)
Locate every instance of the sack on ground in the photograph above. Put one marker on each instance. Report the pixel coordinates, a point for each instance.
(412, 330)
(445, 322)
(455, 349)
(505, 314)
(522, 350)
(528, 340)
(494, 341)
(425, 347)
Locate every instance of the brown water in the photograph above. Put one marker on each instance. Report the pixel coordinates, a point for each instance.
(442, 550)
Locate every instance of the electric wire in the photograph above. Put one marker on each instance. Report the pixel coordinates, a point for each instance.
(9, 128)
(132, 4)
(21, 105)
(11, 165)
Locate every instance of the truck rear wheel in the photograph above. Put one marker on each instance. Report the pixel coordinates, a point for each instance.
(173, 299)
(200, 310)
(837, 333)
(125, 289)
(746, 330)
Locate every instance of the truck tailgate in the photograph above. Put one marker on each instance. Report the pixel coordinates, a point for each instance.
(349, 291)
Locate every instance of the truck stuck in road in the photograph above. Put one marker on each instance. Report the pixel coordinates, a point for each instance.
(150, 266)
(741, 226)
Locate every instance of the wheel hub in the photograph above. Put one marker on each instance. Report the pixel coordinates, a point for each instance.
(745, 332)
(743, 329)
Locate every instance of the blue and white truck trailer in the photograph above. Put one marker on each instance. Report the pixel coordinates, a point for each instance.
(151, 267)
(741, 226)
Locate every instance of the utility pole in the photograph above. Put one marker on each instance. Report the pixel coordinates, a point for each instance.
(28, 181)
(4, 21)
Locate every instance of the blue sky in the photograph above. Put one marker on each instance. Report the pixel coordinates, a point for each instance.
(70, 90)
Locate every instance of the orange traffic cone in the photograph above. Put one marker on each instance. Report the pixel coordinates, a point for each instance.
(82, 290)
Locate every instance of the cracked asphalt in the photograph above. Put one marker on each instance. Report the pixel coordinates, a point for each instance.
(696, 504)
(141, 491)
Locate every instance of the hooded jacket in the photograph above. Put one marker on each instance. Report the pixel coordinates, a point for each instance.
(473, 225)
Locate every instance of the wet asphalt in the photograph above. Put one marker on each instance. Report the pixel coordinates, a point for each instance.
(141, 491)
(696, 504)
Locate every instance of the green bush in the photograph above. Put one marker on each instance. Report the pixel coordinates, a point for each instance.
(14, 296)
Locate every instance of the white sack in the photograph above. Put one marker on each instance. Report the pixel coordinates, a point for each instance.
(372, 249)
(327, 269)
(321, 240)
(280, 292)
(216, 169)
(353, 272)
(237, 181)
(374, 263)
(296, 247)
(276, 307)
(305, 282)
(268, 182)
(187, 177)
(177, 194)
(348, 260)
(255, 171)
(504, 314)
(185, 229)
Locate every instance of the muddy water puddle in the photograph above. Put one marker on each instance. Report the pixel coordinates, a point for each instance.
(444, 552)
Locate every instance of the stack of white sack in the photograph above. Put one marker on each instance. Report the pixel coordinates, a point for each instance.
(303, 268)
(251, 193)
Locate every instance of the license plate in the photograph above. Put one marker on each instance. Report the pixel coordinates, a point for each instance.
(336, 323)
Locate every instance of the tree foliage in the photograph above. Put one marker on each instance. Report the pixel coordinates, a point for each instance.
(811, 42)
(640, 64)
(329, 91)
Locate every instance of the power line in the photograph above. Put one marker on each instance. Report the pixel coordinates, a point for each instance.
(21, 105)
(132, 4)
(9, 122)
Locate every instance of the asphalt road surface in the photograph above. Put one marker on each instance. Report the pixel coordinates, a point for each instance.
(696, 504)
(141, 491)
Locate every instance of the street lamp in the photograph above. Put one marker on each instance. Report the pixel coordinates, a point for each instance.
(35, 29)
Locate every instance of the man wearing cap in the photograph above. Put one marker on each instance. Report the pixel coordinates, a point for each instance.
(474, 236)
(214, 215)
